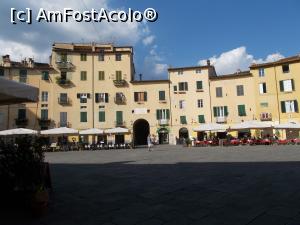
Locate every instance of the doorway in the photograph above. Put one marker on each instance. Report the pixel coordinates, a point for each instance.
(141, 129)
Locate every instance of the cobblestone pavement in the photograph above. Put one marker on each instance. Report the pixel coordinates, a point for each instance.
(175, 185)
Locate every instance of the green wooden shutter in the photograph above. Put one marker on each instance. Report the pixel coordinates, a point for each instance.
(199, 85)
(106, 97)
(83, 117)
(158, 114)
(168, 114)
(183, 120)
(241, 110)
(281, 87)
(119, 115)
(283, 110)
(175, 87)
(145, 96)
(296, 106)
(215, 111)
(225, 110)
(293, 84)
(162, 95)
(101, 116)
(201, 119)
(44, 114)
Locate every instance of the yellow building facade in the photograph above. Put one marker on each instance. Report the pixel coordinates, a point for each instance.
(94, 86)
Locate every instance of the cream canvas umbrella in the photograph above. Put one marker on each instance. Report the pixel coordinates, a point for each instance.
(213, 127)
(252, 124)
(117, 130)
(289, 125)
(60, 131)
(91, 131)
(18, 131)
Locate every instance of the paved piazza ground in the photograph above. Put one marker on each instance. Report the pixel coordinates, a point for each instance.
(175, 185)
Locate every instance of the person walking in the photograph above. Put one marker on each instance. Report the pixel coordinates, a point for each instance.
(149, 142)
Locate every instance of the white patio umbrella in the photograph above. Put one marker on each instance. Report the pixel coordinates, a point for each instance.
(214, 127)
(59, 131)
(288, 125)
(91, 131)
(18, 131)
(251, 124)
(117, 130)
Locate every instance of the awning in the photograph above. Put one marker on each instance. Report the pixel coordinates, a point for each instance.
(59, 131)
(12, 92)
(215, 127)
(91, 131)
(18, 131)
(289, 125)
(252, 124)
(117, 130)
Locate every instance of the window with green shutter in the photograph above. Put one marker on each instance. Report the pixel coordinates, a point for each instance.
(83, 75)
(83, 117)
(241, 110)
(44, 114)
(162, 96)
(101, 116)
(175, 87)
(45, 75)
(158, 114)
(225, 111)
(183, 120)
(168, 114)
(283, 110)
(201, 119)
(83, 57)
(118, 75)
(119, 117)
(199, 85)
(101, 75)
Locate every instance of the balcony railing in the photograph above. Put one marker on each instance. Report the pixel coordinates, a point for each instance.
(64, 124)
(120, 100)
(44, 122)
(64, 65)
(221, 119)
(163, 122)
(64, 101)
(120, 123)
(120, 83)
(63, 82)
(21, 122)
(266, 117)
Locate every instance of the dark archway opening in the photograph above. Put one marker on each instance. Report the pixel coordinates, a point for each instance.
(163, 136)
(183, 135)
(141, 129)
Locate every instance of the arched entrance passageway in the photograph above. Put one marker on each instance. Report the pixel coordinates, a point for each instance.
(141, 130)
(183, 134)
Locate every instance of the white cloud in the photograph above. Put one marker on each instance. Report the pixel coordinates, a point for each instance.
(160, 68)
(148, 40)
(237, 59)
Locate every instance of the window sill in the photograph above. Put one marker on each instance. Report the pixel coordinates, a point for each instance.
(181, 92)
(199, 90)
(162, 101)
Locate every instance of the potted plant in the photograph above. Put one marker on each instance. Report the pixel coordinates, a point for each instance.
(188, 142)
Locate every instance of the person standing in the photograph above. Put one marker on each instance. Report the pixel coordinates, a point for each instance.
(149, 142)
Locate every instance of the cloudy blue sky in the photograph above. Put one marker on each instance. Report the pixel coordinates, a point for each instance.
(232, 33)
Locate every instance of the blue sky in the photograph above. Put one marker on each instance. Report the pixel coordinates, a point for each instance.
(232, 33)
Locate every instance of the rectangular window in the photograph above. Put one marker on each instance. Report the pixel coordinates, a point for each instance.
(118, 57)
(240, 90)
(183, 86)
(264, 104)
(118, 75)
(201, 119)
(1, 72)
(44, 114)
(23, 76)
(83, 75)
(198, 71)
(45, 75)
(175, 88)
(140, 96)
(199, 85)
(287, 85)
(101, 97)
(83, 57)
(101, 116)
(83, 117)
(182, 104)
(183, 120)
(63, 119)
(200, 103)
(21, 114)
(261, 72)
(262, 88)
(44, 96)
(162, 95)
(180, 72)
(119, 117)
(1, 118)
(289, 106)
(220, 111)
(83, 97)
(101, 55)
(219, 92)
(285, 68)
(63, 98)
(241, 110)
(162, 114)
(101, 75)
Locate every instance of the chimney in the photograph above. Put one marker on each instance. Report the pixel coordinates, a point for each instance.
(141, 76)
(208, 62)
